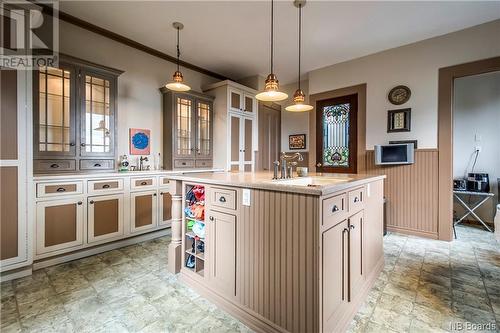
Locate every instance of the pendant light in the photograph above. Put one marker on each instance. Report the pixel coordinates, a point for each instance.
(177, 84)
(299, 96)
(271, 91)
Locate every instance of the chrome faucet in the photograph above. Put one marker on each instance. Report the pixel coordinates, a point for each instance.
(141, 164)
(286, 170)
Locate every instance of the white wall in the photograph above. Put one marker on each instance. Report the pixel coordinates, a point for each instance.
(415, 65)
(139, 99)
(476, 111)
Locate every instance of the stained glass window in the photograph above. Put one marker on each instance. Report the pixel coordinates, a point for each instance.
(336, 135)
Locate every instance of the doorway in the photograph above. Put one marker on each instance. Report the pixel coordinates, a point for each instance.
(269, 135)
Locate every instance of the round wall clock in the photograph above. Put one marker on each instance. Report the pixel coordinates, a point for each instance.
(399, 95)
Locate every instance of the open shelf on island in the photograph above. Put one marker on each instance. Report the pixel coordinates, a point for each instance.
(194, 246)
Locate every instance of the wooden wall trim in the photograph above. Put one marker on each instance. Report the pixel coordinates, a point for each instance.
(127, 41)
(359, 89)
(447, 76)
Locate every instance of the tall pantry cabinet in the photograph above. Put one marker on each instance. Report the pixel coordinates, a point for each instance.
(235, 126)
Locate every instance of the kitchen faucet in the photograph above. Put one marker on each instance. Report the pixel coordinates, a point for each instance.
(141, 164)
(286, 168)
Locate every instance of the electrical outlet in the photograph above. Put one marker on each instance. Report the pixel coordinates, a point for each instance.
(478, 149)
(477, 137)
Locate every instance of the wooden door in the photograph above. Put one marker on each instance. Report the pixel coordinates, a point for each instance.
(165, 207)
(236, 101)
(105, 217)
(143, 210)
(59, 224)
(184, 127)
(269, 136)
(204, 126)
(222, 243)
(356, 270)
(336, 134)
(334, 274)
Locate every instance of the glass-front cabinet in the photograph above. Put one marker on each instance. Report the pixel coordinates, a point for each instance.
(188, 127)
(74, 117)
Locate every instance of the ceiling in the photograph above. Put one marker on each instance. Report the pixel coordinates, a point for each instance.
(232, 37)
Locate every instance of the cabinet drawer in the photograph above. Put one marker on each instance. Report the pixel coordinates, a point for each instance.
(183, 163)
(223, 198)
(143, 183)
(103, 185)
(203, 163)
(58, 189)
(356, 199)
(334, 209)
(54, 165)
(97, 164)
(166, 182)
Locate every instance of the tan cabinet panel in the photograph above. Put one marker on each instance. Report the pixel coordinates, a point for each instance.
(58, 189)
(105, 217)
(334, 209)
(9, 219)
(8, 116)
(356, 271)
(143, 183)
(223, 198)
(223, 252)
(104, 185)
(165, 208)
(46, 166)
(235, 100)
(143, 211)
(356, 200)
(183, 163)
(334, 252)
(249, 103)
(59, 224)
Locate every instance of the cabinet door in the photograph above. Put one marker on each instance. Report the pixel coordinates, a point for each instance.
(184, 129)
(165, 208)
(234, 142)
(247, 147)
(59, 224)
(54, 111)
(222, 243)
(334, 274)
(143, 211)
(241, 143)
(105, 217)
(97, 114)
(236, 102)
(356, 271)
(249, 103)
(203, 129)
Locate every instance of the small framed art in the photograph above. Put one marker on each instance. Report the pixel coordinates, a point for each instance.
(399, 120)
(297, 141)
(140, 141)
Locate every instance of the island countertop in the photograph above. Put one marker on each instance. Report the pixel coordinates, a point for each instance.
(315, 184)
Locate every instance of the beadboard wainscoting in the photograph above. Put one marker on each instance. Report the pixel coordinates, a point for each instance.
(411, 192)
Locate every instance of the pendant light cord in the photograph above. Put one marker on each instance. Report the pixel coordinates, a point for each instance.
(178, 50)
(300, 36)
(272, 34)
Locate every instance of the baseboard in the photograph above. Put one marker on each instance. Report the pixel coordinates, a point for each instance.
(16, 274)
(62, 258)
(412, 232)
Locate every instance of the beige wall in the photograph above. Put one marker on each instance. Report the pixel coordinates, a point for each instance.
(415, 65)
(139, 100)
(476, 111)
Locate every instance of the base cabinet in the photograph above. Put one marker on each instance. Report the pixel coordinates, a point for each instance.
(143, 210)
(355, 254)
(165, 207)
(222, 247)
(59, 224)
(105, 217)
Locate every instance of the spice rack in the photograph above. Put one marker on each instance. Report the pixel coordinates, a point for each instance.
(194, 228)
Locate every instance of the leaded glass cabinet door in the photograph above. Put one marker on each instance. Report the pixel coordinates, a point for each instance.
(54, 115)
(184, 126)
(337, 134)
(203, 129)
(97, 114)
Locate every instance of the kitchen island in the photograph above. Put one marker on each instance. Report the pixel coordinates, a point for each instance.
(292, 255)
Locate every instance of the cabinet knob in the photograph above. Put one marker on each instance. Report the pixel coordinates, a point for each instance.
(61, 189)
(211, 218)
(72, 144)
(335, 209)
(222, 199)
(351, 226)
(83, 144)
(356, 199)
(91, 202)
(319, 165)
(154, 194)
(80, 203)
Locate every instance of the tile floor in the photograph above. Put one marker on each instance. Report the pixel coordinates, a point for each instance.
(425, 287)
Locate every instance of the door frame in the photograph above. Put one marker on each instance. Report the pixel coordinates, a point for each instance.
(447, 76)
(359, 89)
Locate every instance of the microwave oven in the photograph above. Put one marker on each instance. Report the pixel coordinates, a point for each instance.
(392, 154)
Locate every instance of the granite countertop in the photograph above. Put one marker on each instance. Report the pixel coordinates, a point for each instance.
(314, 184)
(40, 177)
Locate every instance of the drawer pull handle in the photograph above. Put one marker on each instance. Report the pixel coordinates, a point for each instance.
(105, 186)
(211, 218)
(183, 163)
(91, 202)
(79, 203)
(97, 165)
(55, 165)
(61, 189)
(335, 209)
(144, 183)
(356, 199)
(222, 199)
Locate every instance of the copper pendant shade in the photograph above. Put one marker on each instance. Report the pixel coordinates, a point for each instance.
(299, 97)
(177, 83)
(271, 91)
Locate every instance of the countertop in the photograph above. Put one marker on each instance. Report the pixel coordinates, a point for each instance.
(321, 184)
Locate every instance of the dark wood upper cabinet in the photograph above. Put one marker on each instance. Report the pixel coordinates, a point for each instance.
(74, 117)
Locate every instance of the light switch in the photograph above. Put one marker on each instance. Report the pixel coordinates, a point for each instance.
(245, 197)
(477, 137)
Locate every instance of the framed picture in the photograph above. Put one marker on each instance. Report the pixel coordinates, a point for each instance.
(297, 141)
(140, 141)
(399, 120)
